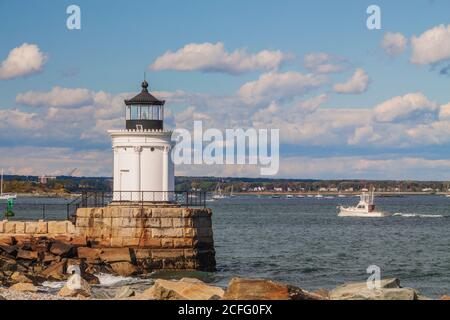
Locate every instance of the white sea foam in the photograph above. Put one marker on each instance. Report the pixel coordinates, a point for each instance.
(111, 280)
(53, 284)
(417, 215)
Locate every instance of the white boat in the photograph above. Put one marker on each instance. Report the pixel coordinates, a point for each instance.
(300, 196)
(318, 196)
(289, 196)
(5, 196)
(365, 208)
(218, 193)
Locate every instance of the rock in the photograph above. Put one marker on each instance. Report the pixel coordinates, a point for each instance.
(75, 287)
(259, 289)
(24, 287)
(90, 254)
(90, 278)
(115, 255)
(62, 249)
(124, 292)
(2, 298)
(56, 271)
(445, 297)
(27, 255)
(8, 240)
(124, 269)
(324, 293)
(48, 257)
(9, 249)
(389, 290)
(184, 289)
(18, 277)
(8, 264)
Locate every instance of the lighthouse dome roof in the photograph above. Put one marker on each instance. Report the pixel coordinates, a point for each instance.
(144, 97)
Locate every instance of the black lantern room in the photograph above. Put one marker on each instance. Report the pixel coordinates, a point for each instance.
(144, 111)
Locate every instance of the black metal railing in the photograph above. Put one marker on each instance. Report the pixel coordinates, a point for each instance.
(60, 209)
(183, 198)
(40, 211)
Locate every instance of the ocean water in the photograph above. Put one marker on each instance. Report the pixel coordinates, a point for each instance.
(301, 241)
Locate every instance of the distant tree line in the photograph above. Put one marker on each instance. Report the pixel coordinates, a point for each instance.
(32, 184)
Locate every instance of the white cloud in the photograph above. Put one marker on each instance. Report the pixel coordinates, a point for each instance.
(394, 44)
(14, 118)
(56, 161)
(324, 63)
(57, 97)
(432, 46)
(358, 83)
(279, 86)
(209, 57)
(444, 113)
(410, 107)
(336, 167)
(21, 61)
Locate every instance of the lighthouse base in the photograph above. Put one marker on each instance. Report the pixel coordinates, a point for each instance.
(122, 239)
(159, 237)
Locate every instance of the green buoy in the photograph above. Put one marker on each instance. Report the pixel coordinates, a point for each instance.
(9, 208)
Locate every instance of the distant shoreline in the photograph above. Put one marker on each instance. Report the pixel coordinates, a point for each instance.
(327, 193)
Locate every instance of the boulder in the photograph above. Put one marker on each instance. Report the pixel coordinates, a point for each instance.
(184, 289)
(324, 293)
(18, 277)
(7, 264)
(24, 287)
(48, 257)
(90, 254)
(27, 255)
(389, 290)
(115, 255)
(90, 278)
(9, 249)
(259, 289)
(62, 249)
(124, 292)
(55, 271)
(445, 297)
(2, 298)
(124, 268)
(75, 287)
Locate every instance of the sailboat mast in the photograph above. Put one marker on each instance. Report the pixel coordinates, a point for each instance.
(1, 184)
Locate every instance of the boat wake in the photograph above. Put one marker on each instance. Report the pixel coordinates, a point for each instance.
(417, 215)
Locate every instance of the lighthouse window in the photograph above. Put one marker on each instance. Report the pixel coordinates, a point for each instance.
(128, 115)
(135, 112)
(152, 149)
(145, 113)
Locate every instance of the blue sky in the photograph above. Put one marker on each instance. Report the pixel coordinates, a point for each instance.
(119, 40)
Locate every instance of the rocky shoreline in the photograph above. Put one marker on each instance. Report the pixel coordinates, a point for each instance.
(26, 263)
(237, 289)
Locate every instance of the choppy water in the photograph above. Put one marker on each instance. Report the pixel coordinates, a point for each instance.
(302, 241)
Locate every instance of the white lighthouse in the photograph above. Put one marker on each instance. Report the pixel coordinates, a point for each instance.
(143, 167)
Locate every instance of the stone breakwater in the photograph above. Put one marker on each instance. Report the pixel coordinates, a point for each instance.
(123, 240)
